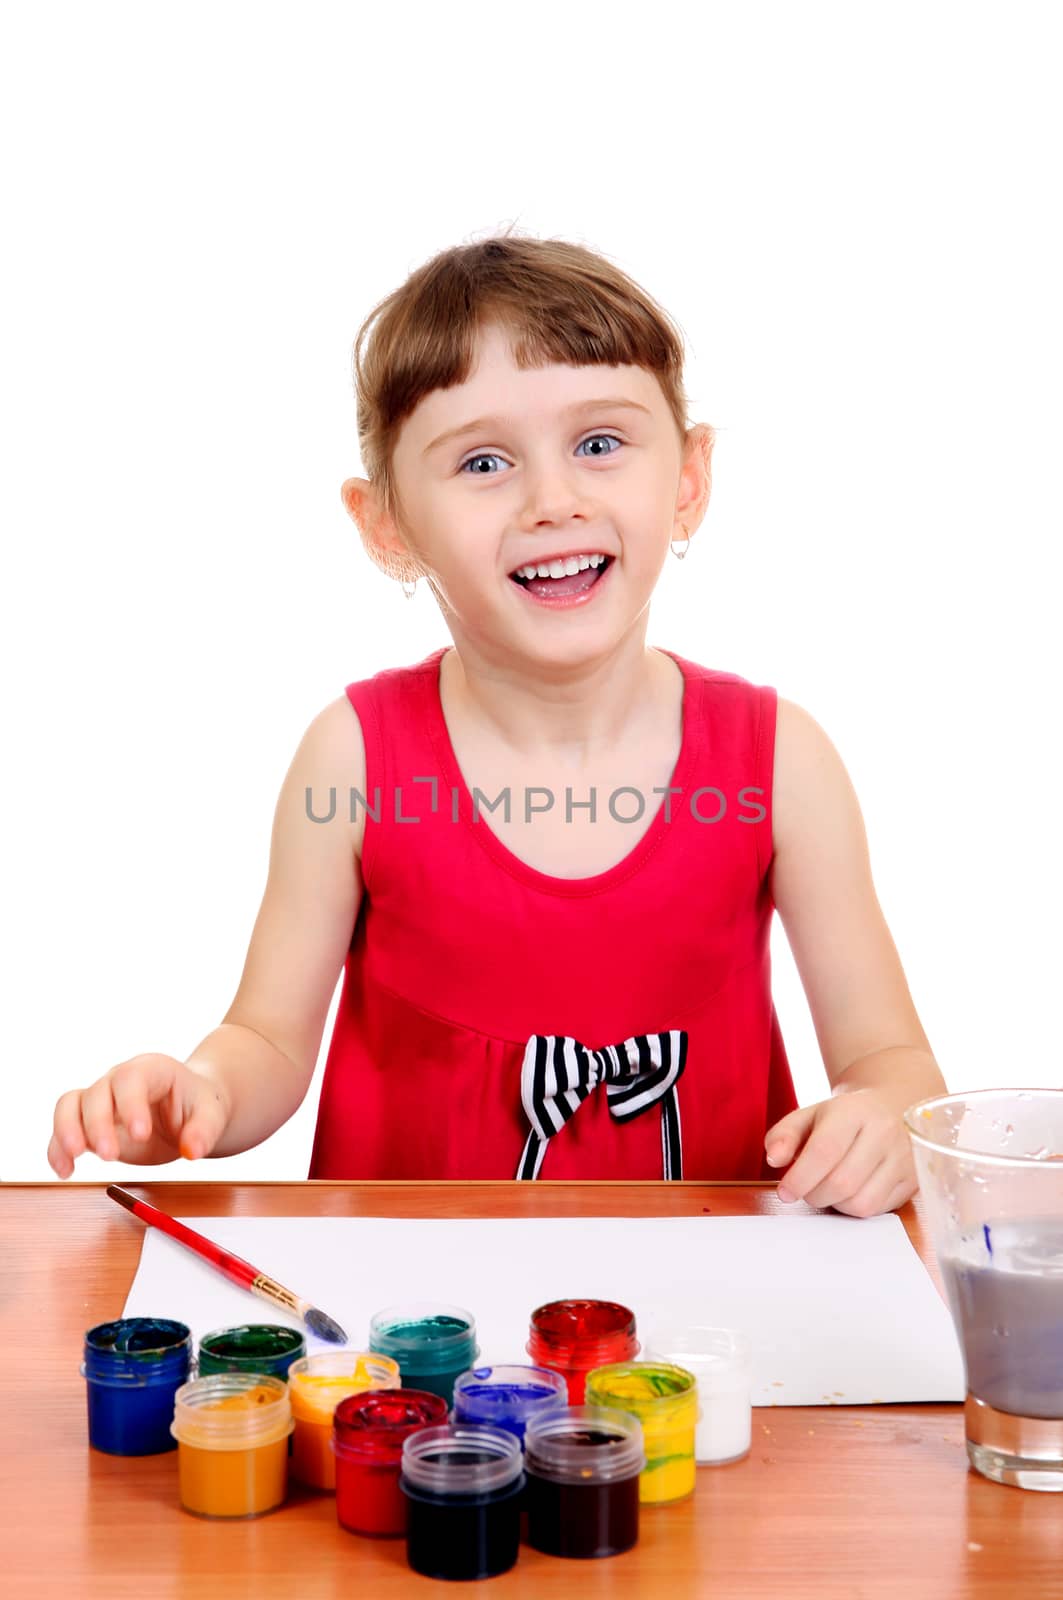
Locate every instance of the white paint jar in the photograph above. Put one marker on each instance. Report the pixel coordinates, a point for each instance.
(722, 1361)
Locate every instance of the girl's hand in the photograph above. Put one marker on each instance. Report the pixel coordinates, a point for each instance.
(856, 1155)
(149, 1109)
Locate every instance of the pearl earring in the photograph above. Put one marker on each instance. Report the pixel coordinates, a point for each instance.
(411, 591)
(679, 554)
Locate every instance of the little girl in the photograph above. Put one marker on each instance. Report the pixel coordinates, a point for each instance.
(546, 857)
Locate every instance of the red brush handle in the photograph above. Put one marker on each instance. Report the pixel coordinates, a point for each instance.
(234, 1268)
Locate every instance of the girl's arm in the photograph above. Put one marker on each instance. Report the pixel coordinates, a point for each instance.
(869, 1033)
(300, 940)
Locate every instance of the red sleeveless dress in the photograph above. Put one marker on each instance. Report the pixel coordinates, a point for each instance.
(461, 952)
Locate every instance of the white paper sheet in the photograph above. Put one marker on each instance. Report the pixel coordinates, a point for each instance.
(840, 1310)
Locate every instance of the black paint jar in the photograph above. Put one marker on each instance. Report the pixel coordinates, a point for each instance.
(582, 1495)
(463, 1486)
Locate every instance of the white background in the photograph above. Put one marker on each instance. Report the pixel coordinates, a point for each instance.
(852, 212)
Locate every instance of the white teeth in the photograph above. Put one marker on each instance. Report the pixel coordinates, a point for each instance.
(562, 568)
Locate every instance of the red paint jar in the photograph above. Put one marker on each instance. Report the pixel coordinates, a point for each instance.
(573, 1336)
(368, 1431)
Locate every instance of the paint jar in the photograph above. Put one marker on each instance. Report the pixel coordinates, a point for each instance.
(463, 1487)
(574, 1336)
(317, 1384)
(432, 1344)
(583, 1466)
(232, 1434)
(368, 1432)
(665, 1400)
(506, 1397)
(721, 1360)
(266, 1347)
(132, 1370)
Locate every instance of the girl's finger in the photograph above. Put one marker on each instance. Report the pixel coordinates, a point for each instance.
(58, 1159)
(67, 1129)
(870, 1198)
(97, 1116)
(829, 1143)
(131, 1100)
(900, 1194)
(861, 1162)
(783, 1141)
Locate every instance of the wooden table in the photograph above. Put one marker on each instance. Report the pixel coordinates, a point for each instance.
(832, 1502)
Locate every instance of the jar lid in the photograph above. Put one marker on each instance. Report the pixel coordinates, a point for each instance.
(582, 1333)
(584, 1444)
(134, 1352)
(140, 1337)
(716, 1356)
(253, 1341)
(486, 1392)
(572, 1320)
(319, 1382)
(371, 1427)
(648, 1388)
(461, 1459)
(425, 1336)
(232, 1411)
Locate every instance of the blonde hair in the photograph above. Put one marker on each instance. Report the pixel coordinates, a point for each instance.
(558, 301)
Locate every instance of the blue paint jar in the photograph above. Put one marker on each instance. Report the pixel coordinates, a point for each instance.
(132, 1370)
(463, 1487)
(505, 1397)
(432, 1343)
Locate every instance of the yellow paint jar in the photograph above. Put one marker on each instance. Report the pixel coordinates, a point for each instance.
(316, 1385)
(232, 1443)
(665, 1400)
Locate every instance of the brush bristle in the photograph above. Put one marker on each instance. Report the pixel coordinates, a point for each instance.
(324, 1326)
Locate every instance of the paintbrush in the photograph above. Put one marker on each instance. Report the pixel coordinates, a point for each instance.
(236, 1270)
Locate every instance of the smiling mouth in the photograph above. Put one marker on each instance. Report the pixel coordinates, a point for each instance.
(568, 583)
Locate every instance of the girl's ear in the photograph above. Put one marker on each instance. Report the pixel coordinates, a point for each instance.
(358, 496)
(381, 539)
(696, 476)
(704, 437)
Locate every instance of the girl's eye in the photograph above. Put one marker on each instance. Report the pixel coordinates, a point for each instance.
(490, 456)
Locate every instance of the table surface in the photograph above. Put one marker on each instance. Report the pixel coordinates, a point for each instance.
(832, 1501)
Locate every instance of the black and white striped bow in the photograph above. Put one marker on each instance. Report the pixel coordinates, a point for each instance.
(559, 1073)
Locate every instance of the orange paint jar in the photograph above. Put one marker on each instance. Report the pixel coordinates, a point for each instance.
(316, 1385)
(232, 1444)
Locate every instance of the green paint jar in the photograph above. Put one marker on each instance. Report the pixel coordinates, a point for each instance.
(267, 1348)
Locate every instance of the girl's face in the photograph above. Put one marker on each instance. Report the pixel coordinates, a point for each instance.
(563, 462)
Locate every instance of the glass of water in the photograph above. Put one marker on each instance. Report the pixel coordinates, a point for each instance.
(990, 1168)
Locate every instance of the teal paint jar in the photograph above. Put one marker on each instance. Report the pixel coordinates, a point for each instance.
(432, 1343)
